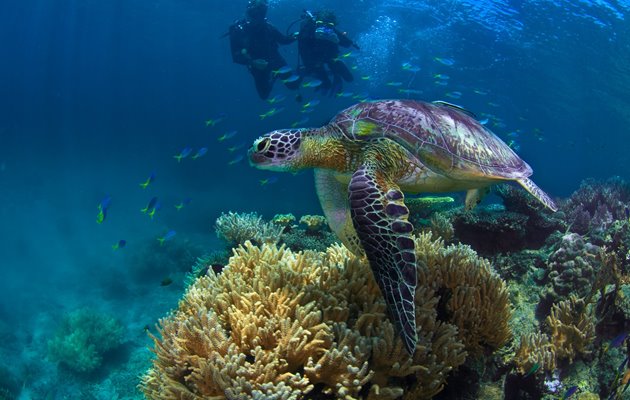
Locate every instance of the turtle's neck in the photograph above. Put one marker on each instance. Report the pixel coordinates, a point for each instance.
(323, 148)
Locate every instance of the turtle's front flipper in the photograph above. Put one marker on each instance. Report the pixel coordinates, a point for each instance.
(333, 197)
(379, 216)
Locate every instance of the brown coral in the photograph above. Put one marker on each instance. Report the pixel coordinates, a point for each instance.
(278, 325)
(535, 349)
(572, 324)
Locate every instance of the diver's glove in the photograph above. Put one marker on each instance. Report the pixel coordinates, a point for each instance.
(259, 64)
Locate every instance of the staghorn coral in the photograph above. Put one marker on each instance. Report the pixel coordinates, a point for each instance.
(237, 228)
(283, 324)
(572, 324)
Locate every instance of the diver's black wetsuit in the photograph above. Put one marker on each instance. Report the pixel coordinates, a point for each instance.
(319, 56)
(251, 41)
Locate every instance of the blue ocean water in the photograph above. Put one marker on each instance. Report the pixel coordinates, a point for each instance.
(97, 96)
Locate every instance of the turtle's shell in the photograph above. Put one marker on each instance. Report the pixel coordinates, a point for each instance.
(444, 138)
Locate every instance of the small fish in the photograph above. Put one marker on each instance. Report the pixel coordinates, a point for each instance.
(268, 181)
(407, 66)
(276, 99)
(441, 83)
(300, 122)
(155, 209)
(346, 55)
(480, 92)
(239, 146)
(409, 91)
(150, 206)
(627, 212)
(360, 96)
(169, 236)
(200, 153)
(616, 341)
(483, 121)
(216, 120)
(570, 392)
(183, 203)
(102, 209)
(236, 160)
(366, 77)
(315, 83)
(623, 364)
(454, 94)
(442, 76)
(119, 244)
(311, 103)
(149, 181)
(282, 71)
(183, 154)
(513, 145)
(291, 79)
(444, 61)
(271, 112)
(513, 134)
(166, 281)
(344, 94)
(394, 83)
(227, 136)
(492, 104)
(532, 370)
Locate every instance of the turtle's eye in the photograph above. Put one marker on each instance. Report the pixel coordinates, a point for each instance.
(262, 145)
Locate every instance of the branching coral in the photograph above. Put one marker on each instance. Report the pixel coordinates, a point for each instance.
(82, 338)
(237, 228)
(535, 349)
(313, 223)
(572, 324)
(278, 324)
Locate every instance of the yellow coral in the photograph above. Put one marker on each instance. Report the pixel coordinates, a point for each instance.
(313, 223)
(279, 325)
(535, 349)
(572, 324)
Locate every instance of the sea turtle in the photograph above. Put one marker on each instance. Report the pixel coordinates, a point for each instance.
(372, 152)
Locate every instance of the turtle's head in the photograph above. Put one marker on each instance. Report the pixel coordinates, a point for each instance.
(277, 151)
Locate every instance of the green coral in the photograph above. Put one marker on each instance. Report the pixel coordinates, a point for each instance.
(82, 339)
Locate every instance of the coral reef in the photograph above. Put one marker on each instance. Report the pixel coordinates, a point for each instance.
(573, 266)
(237, 228)
(82, 339)
(424, 207)
(284, 220)
(596, 205)
(572, 324)
(441, 226)
(285, 325)
(313, 223)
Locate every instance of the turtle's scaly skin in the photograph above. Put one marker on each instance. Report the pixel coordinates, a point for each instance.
(368, 156)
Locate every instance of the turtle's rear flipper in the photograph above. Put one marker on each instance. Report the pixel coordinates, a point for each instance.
(379, 216)
(538, 193)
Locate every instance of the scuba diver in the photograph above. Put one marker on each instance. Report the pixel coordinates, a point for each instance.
(254, 43)
(318, 47)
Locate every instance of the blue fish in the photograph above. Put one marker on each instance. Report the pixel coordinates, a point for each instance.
(282, 71)
(315, 83)
(236, 160)
(150, 206)
(183, 154)
(291, 79)
(169, 236)
(200, 153)
(570, 392)
(445, 61)
(183, 203)
(276, 99)
(268, 181)
(617, 341)
(227, 136)
(102, 209)
(215, 120)
(149, 181)
(119, 244)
